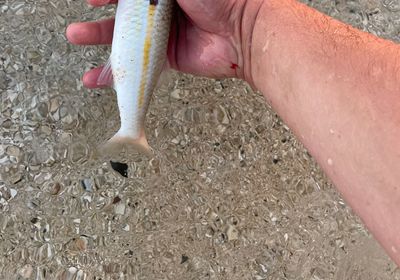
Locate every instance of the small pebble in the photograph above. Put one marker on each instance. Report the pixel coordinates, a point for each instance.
(26, 271)
(121, 168)
(232, 233)
(176, 94)
(184, 259)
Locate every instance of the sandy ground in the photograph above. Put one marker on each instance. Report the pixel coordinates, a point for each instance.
(231, 193)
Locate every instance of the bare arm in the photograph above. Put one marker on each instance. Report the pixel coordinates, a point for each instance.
(339, 90)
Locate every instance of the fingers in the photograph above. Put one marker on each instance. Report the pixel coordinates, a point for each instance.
(90, 78)
(91, 33)
(98, 3)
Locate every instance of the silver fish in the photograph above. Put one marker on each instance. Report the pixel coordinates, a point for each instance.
(137, 59)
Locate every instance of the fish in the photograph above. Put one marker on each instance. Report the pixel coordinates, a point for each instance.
(137, 59)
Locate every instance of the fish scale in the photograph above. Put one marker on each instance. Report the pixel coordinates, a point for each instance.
(138, 56)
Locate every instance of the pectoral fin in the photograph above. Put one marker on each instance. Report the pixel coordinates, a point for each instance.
(106, 76)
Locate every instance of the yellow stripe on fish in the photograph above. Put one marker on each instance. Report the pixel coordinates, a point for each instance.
(146, 54)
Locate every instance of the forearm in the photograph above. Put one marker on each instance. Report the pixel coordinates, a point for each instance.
(339, 90)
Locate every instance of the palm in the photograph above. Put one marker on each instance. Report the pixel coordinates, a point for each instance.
(202, 41)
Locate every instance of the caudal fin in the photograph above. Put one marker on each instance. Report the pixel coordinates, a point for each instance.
(119, 143)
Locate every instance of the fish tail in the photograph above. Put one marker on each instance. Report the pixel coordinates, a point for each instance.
(119, 143)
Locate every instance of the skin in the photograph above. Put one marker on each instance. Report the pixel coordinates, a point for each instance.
(208, 46)
(337, 88)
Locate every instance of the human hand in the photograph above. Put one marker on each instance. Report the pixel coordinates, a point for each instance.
(208, 38)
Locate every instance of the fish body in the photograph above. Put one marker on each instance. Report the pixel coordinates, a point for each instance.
(137, 59)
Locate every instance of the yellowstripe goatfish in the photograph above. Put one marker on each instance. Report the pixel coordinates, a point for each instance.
(137, 59)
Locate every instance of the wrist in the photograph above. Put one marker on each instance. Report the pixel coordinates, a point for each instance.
(265, 41)
(250, 16)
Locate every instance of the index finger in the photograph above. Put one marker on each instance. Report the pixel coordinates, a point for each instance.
(98, 3)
